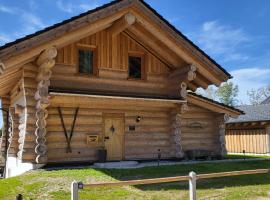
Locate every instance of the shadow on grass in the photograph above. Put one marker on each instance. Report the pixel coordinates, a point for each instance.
(180, 170)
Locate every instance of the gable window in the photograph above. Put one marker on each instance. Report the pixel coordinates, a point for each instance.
(135, 66)
(86, 61)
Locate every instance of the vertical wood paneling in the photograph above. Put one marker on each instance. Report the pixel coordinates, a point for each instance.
(103, 41)
(252, 141)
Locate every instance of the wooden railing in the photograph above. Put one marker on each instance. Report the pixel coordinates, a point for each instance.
(192, 178)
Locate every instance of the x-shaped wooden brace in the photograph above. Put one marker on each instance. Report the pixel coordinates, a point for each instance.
(68, 137)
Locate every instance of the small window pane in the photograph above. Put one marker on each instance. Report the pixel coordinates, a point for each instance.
(135, 67)
(86, 61)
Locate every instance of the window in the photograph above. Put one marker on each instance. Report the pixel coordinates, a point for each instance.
(135, 67)
(86, 61)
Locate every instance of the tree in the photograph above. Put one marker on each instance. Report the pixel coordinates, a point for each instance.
(227, 93)
(257, 96)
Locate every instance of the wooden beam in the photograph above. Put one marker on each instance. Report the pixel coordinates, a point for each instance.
(192, 86)
(203, 67)
(212, 106)
(149, 41)
(201, 81)
(184, 73)
(121, 24)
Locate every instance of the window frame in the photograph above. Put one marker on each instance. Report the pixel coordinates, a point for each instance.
(87, 48)
(143, 73)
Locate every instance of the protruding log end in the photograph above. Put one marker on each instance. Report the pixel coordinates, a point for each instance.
(41, 159)
(184, 108)
(183, 91)
(47, 54)
(130, 18)
(121, 24)
(191, 76)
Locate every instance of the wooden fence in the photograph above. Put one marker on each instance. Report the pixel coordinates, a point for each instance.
(192, 178)
(249, 141)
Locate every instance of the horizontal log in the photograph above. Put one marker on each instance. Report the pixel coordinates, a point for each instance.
(77, 136)
(93, 111)
(76, 159)
(74, 144)
(147, 156)
(144, 142)
(76, 153)
(146, 136)
(149, 128)
(82, 127)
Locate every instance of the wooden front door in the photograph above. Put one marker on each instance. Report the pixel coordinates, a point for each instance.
(114, 136)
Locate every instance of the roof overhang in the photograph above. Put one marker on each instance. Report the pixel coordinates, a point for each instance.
(213, 105)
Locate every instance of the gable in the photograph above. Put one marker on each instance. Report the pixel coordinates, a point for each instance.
(101, 41)
(172, 48)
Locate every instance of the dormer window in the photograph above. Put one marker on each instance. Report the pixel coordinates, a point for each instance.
(86, 61)
(135, 67)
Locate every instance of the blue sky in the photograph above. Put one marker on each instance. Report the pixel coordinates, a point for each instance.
(235, 33)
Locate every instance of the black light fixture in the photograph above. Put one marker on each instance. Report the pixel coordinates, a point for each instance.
(138, 119)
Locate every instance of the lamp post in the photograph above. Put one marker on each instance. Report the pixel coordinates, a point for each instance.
(6, 139)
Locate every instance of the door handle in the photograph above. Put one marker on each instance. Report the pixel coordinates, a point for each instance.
(106, 138)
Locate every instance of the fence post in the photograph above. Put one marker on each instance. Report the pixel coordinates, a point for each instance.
(74, 190)
(192, 186)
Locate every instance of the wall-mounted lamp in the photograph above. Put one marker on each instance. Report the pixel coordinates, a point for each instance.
(138, 119)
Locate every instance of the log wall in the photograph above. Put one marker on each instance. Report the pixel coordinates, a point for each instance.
(200, 130)
(151, 133)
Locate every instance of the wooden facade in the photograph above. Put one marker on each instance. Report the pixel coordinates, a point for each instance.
(248, 137)
(60, 115)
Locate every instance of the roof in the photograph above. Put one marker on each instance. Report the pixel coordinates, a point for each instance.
(253, 113)
(266, 101)
(216, 102)
(7, 45)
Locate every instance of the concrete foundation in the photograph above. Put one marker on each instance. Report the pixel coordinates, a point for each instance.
(16, 167)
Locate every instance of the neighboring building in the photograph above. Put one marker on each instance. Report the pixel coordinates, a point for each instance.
(113, 78)
(250, 132)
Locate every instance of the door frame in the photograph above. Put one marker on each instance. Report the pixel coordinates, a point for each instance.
(114, 115)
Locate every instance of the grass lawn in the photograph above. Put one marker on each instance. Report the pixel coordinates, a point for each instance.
(55, 184)
(241, 156)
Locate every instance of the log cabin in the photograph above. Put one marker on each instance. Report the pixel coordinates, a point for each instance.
(250, 133)
(118, 78)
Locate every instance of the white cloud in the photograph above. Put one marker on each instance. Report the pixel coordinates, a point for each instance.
(6, 9)
(75, 7)
(5, 38)
(29, 23)
(221, 40)
(250, 78)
